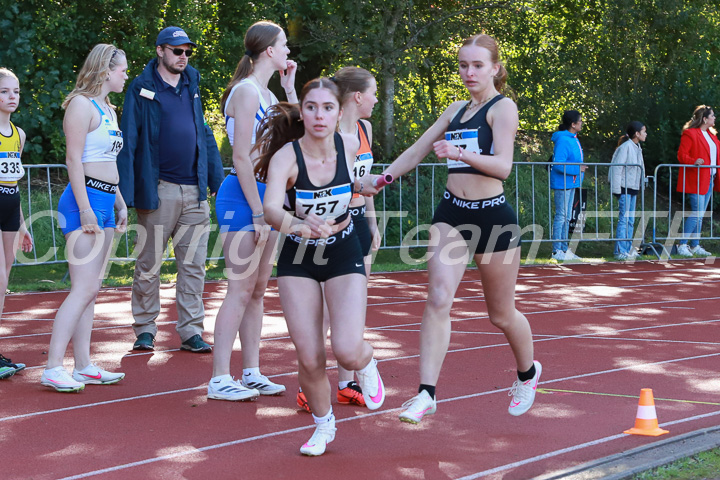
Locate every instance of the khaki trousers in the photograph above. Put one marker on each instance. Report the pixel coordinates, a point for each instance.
(181, 217)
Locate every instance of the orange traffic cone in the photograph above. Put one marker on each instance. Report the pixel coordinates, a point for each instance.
(646, 422)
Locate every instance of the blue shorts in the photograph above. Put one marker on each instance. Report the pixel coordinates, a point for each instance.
(231, 207)
(101, 201)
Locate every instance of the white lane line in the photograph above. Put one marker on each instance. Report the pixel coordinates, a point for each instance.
(394, 410)
(573, 377)
(540, 312)
(537, 337)
(574, 448)
(212, 295)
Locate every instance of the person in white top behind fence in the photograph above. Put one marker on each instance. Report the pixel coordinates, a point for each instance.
(626, 181)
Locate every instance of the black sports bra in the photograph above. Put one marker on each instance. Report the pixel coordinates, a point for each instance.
(475, 136)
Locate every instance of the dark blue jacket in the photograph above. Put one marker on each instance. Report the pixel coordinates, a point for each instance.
(138, 162)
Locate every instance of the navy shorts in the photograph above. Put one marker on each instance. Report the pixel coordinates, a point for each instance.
(488, 224)
(321, 258)
(9, 208)
(102, 201)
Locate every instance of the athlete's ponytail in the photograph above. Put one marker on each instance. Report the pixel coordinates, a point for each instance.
(284, 124)
(258, 38)
(350, 80)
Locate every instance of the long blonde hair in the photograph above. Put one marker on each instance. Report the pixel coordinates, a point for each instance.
(6, 72)
(103, 58)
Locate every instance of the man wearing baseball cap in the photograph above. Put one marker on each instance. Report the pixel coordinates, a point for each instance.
(169, 161)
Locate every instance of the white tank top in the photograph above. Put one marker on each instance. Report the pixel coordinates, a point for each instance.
(105, 142)
(259, 115)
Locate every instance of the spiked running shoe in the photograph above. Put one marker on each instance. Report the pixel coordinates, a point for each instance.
(94, 375)
(417, 407)
(227, 388)
(351, 395)
(324, 434)
(302, 402)
(6, 371)
(371, 385)
(4, 361)
(262, 384)
(60, 380)
(523, 393)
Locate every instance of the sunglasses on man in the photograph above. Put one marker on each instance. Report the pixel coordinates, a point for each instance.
(179, 51)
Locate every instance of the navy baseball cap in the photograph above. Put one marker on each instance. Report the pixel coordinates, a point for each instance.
(173, 36)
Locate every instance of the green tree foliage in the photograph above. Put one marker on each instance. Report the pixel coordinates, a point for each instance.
(613, 60)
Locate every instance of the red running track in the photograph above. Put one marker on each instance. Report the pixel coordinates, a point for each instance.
(602, 332)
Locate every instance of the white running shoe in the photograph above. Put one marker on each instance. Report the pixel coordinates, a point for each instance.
(225, 387)
(371, 385)
(523, 393)
(699, 251)
(262, 384)
(683, 250)
(324, 434)
(417, 407)
(559, 256)
(570, 255)
(60, 380)
(94, 375)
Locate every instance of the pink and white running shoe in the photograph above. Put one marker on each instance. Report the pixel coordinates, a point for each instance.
(94, 375)
(372, 385)
(523, 393)
(417, 407)
(60, 380)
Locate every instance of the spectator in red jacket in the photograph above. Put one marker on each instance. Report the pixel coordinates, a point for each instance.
(698, 146)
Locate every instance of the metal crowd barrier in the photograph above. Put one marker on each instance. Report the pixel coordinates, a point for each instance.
(405, 208)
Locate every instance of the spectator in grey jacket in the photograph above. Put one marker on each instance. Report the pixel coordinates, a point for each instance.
(627, 171)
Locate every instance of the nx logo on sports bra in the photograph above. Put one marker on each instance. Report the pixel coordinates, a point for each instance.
(323, 193)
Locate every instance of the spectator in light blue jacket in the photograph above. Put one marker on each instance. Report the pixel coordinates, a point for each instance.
(565, 177)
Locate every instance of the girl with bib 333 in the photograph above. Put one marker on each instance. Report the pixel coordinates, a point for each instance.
(86, 213)
(314, 165)
(248, 242)
(12, 223)
(476, 138)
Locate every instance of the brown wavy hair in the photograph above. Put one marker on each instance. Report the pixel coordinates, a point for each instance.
(283, 124)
